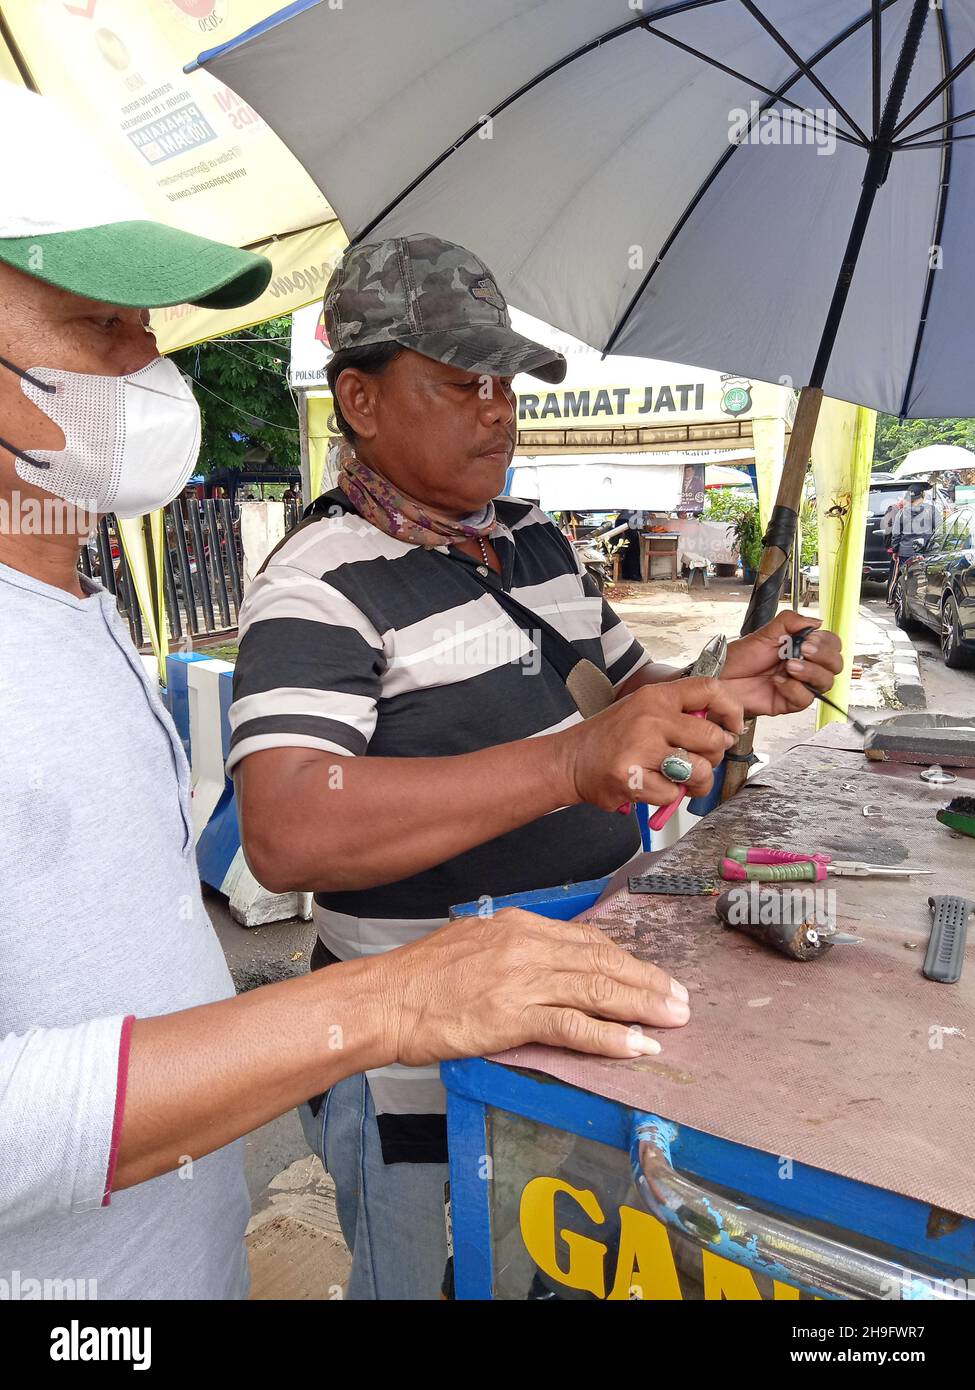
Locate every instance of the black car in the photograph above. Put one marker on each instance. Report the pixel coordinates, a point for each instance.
(886, 492)
(936, 587)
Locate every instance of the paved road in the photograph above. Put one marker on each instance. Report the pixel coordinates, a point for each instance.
(946, 692)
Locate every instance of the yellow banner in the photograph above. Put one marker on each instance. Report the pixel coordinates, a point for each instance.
(302, 264)
(321, 438)
(636, 394)
(769, 440)
(198, 156)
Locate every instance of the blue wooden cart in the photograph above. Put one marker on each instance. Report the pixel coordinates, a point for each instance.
(806, 1136)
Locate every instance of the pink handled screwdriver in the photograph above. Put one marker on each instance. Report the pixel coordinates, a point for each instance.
(663, 814)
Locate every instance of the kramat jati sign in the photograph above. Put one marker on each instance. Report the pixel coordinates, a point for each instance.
(609, 402)
(699, 397)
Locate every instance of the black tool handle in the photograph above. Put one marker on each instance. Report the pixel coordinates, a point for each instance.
(776, 919)
(945, 955)
(797, 640)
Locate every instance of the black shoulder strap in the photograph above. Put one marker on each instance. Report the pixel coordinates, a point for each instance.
(557, 650)
(327, 504)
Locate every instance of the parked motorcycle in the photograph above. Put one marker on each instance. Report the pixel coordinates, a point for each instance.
(595, 558)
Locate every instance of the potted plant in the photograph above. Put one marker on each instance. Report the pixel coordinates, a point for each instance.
(748, 535)
(739, 511)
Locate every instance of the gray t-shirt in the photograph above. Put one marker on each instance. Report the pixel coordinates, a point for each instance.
(101, 918)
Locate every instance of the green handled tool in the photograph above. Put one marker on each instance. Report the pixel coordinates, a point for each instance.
(765, 864)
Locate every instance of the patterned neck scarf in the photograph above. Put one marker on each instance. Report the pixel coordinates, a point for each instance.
(403, 517)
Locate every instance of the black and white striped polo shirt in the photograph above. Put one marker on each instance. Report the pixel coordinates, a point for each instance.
(362, 645)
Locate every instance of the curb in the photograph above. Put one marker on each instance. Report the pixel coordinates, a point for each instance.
(908, 686)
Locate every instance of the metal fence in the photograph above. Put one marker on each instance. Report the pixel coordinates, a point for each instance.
(202, 568)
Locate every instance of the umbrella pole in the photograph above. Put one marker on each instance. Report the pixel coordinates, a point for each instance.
(796, 568)
(781, 532)
(782, 526)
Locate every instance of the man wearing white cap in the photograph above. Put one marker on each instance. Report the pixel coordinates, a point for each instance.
(127, 1068)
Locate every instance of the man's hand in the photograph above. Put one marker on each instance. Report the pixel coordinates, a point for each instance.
(766, 681)
(483, 984)
(615, 757)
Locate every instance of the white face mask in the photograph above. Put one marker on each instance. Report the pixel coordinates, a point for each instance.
(131, 442)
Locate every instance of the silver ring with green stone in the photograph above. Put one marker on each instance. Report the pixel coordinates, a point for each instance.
(676, 767)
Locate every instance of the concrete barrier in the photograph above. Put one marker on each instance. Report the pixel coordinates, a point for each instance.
(199, 695)
(261, 528)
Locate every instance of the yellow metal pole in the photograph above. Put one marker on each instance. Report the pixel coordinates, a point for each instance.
(143, 539)
(841, 465)
(764, 602)
(768, 438)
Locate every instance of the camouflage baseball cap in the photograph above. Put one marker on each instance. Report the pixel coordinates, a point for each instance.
(436, 298)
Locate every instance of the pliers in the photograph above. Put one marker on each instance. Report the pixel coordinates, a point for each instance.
(764, 864)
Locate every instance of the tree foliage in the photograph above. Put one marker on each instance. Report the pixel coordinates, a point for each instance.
(241, 383)
(740, 510)
(896, 438)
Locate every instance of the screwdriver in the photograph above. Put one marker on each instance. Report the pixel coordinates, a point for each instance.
(796, 654)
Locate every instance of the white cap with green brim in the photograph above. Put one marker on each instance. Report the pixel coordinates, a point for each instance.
(67, 218)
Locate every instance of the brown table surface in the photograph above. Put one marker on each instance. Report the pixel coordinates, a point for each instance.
(855, 1062)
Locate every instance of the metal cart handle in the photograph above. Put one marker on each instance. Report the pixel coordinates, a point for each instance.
(765, 1244)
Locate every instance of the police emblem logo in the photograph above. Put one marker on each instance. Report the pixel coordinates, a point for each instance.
(736, 395)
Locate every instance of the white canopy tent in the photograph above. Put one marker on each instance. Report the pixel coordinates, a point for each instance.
(608, 482)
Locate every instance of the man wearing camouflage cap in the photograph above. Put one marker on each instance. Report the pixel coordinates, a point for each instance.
(429, 701)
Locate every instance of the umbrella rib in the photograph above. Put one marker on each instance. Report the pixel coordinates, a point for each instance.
(952, 120)
(20, 62)
(801, 63)
(875, 175)
(939, 222)
(945, 82)
(665, 12)
(749, 81)
(283, 236)
(933, 144)
(685, 216)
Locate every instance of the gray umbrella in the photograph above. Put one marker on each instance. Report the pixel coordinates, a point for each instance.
(783, 189)
(674, 181)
